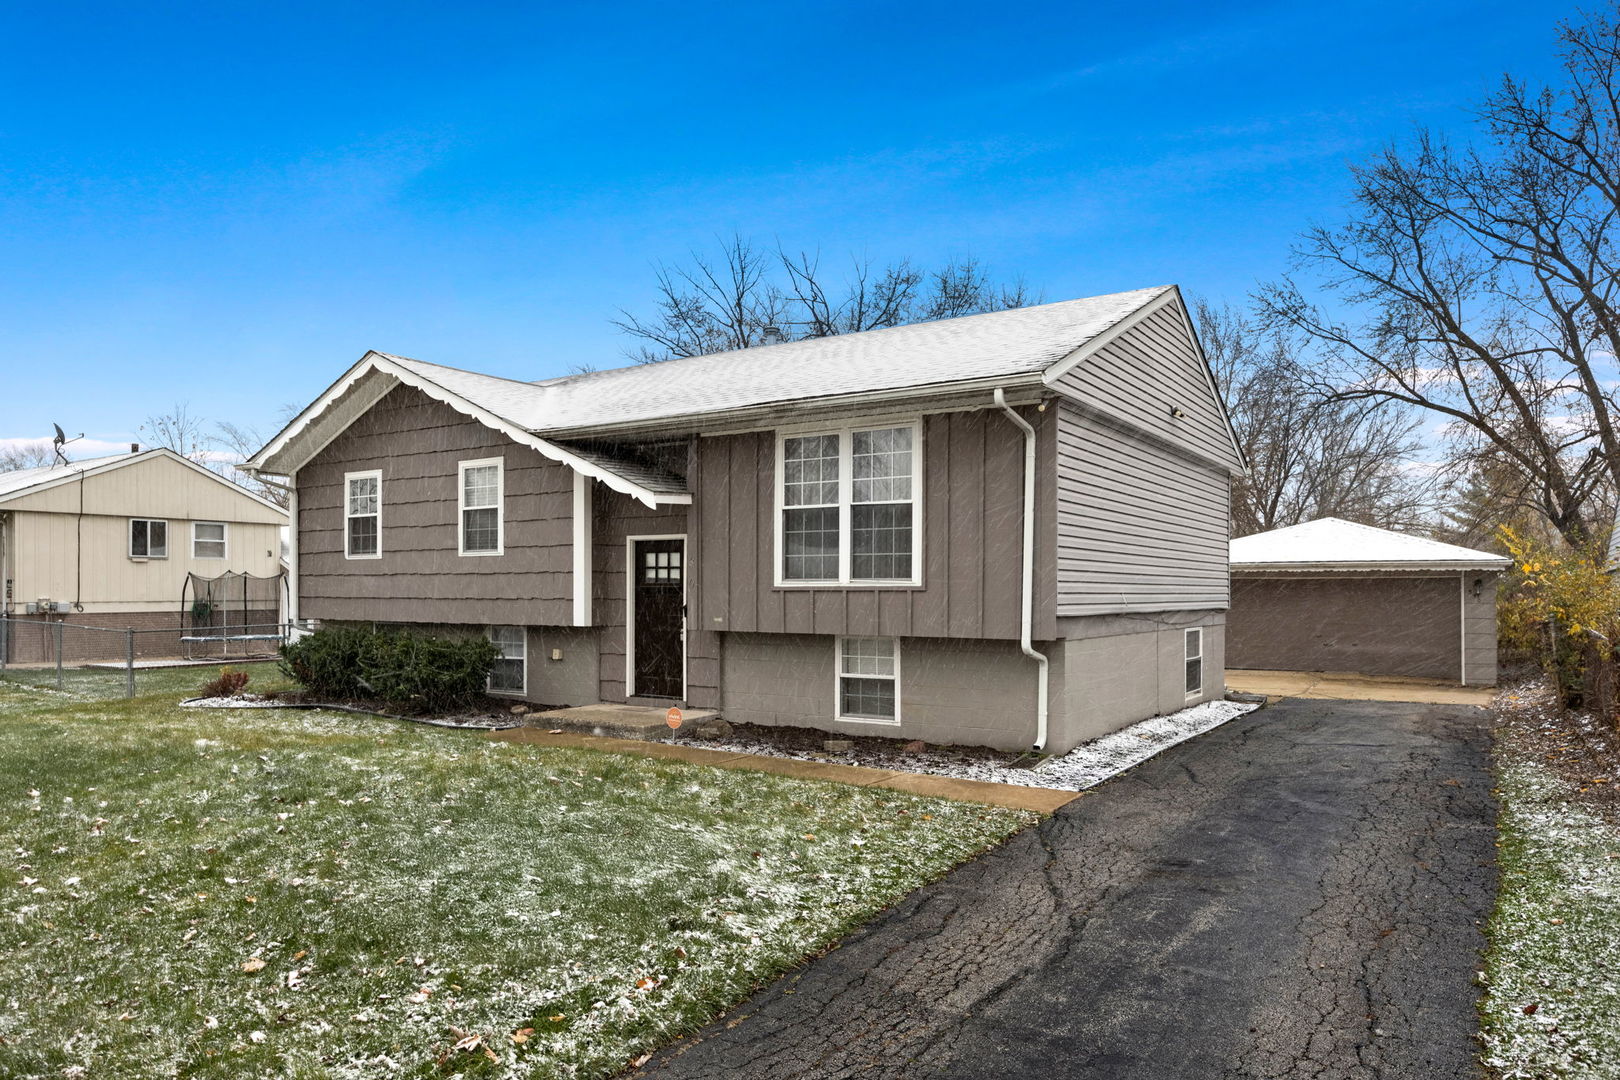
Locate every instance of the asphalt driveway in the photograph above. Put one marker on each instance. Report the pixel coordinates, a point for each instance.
(1295, 894)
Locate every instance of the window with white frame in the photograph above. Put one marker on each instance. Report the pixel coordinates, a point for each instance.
(1195, 661)
(869, 679)
(148, 538)
(509, 674)
(480, 526)
(362, 515)
(848, 506)
(207, 539)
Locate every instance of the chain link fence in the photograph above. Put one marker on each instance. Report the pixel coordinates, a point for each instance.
(107, 662)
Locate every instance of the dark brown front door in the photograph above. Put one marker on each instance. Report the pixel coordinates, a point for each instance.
(660, 588)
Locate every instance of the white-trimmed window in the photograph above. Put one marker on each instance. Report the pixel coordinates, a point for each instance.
(480, 523)
(362, 514)
(849, 509)
(510, 673)
(148, 538)
(1195, 662)
(869, 680)
(207, 539)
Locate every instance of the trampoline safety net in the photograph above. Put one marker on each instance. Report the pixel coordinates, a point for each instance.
(232, 614)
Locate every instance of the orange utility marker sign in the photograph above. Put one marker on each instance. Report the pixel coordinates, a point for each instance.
(673, 718)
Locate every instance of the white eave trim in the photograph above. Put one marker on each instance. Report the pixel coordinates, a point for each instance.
(374, 361)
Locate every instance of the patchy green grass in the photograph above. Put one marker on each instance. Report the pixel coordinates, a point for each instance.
(1552, 1007)
(230, 893)
(98, 684)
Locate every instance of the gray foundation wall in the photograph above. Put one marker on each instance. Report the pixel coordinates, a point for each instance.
(1110, 672)
(1123, 668)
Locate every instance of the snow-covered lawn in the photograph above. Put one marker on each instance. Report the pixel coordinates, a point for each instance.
(1083, 767)
(1552, 972)
(244, 893)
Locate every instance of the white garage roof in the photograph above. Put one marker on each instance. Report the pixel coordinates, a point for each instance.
(1336, 544)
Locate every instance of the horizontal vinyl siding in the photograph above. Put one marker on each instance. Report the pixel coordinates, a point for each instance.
(1144, 373)
(417, 443)
(1139, 526)
(971, 547)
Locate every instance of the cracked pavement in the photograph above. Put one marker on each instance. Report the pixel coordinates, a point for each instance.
(1295, 894)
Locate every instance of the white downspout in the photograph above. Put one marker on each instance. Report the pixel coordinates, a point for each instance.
(1027, 612)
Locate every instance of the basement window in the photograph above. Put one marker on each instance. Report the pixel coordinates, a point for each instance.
(510, 673)
(148, 538)
(1195, 662)
(869, 680)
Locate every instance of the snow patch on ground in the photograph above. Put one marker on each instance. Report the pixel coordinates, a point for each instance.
(1083, 767)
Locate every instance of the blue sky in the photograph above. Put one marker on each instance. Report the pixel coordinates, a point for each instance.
(227, 204)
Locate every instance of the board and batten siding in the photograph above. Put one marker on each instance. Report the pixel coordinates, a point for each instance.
(1140, 527)
(617, 518)
(417, 442)
(1149, 370)
(971, 546)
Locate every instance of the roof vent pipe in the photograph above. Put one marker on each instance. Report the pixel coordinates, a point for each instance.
(1027, 608)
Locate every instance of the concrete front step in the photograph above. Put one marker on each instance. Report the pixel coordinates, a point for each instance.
(619, 721)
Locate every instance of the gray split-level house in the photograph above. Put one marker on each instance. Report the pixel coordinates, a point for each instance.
(1006, 529)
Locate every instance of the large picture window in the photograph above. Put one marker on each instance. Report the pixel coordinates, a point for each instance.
(848, 503)
(148, 538)
(480, 526)
(362, 515)
(869, 680)
(509, 674)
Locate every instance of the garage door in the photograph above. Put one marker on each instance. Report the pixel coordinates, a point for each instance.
(1378, 626)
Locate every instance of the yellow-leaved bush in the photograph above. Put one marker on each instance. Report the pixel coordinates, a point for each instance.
(1560, 606)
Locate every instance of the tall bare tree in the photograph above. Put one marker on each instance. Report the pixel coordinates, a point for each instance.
(1481, 284)
(1309, 455)
(749, 296)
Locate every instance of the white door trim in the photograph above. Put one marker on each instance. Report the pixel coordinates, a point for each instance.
(630, 606)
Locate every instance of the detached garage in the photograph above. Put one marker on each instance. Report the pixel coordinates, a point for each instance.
(1331, 595)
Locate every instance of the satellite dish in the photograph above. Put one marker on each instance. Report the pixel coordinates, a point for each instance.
(62, 440)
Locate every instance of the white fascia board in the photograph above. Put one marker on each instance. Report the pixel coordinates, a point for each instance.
(73, 475)
(374, 361)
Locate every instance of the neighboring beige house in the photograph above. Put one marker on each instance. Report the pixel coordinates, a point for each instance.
(1008, 529)
(108, 542)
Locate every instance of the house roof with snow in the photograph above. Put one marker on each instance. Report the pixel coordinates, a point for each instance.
(1014, 348)
(1336, 544)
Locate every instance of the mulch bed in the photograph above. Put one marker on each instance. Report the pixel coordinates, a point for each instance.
(874, 751)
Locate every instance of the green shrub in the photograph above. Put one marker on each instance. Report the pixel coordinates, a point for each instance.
(402, 667)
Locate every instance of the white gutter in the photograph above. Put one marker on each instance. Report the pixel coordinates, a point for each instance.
(1027, 611)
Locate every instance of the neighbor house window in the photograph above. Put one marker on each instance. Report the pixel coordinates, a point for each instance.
(1195, 662)
(362, 514)
(148, 538)
(869, 679)
(509, 675)
(481, 507)
(207, 539)
(849, 507)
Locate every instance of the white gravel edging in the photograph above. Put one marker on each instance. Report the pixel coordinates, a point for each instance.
(1085, 766)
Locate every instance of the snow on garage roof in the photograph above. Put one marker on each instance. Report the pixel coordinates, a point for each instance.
(1336, 544)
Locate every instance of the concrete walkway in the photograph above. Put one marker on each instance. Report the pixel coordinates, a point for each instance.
(1041, 800)
(1348, 686)
(1295, 894)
